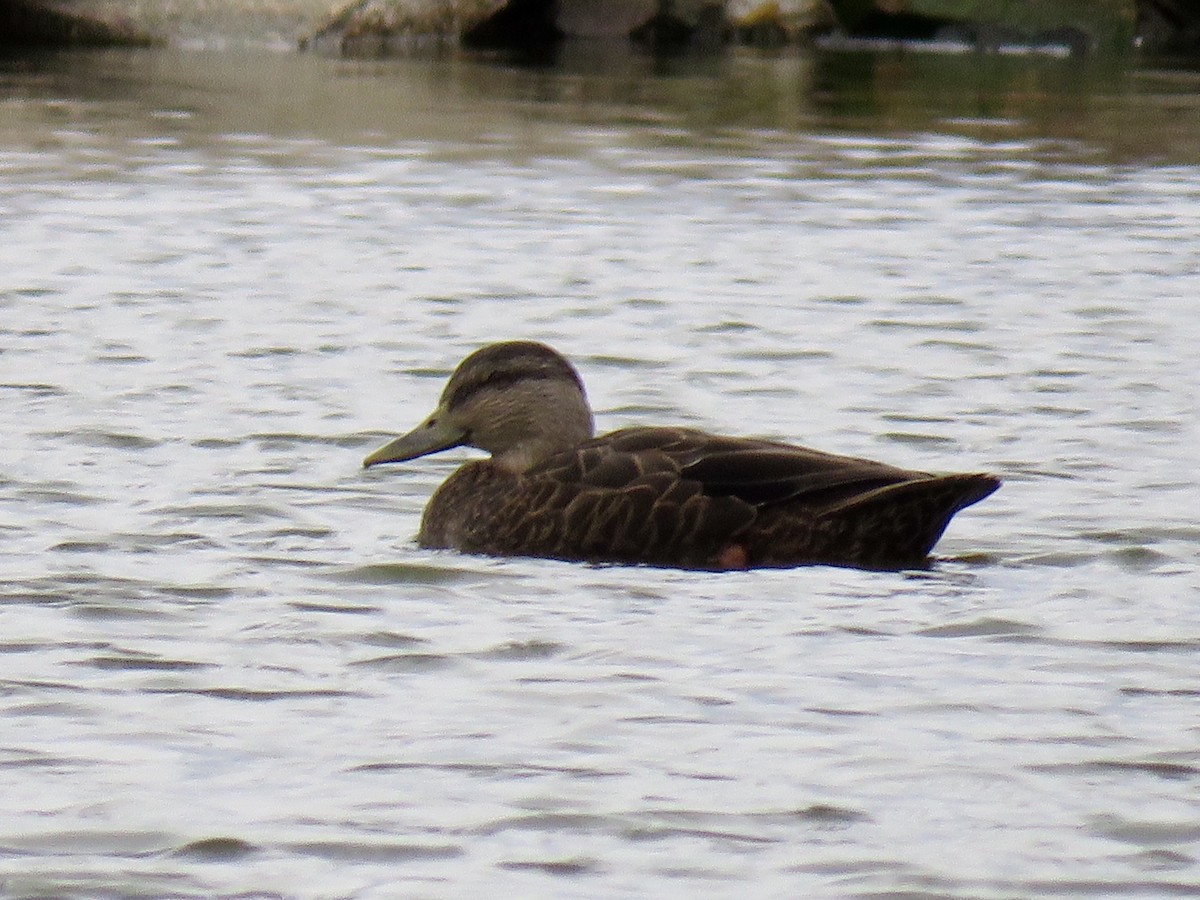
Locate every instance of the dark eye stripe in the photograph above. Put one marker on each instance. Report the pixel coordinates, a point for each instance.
(500, 366)
(496, 381)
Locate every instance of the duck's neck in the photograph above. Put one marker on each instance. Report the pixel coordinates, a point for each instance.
(571, 428)
(518, 460)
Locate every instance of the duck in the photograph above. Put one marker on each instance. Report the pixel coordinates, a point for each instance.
(663, 496)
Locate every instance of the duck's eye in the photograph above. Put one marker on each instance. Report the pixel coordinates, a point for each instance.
(432, 423)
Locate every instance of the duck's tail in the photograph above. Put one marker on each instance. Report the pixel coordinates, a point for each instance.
(897, 525)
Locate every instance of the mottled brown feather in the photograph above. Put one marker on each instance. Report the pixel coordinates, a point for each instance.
(679, 497)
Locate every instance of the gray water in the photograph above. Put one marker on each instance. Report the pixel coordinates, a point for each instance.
(227, 671)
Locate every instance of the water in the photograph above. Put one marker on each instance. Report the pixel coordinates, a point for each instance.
(226, 670)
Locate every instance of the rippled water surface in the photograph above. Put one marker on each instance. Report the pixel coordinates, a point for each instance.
(225, 668)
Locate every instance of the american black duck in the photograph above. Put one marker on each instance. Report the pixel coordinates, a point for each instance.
(660, 496)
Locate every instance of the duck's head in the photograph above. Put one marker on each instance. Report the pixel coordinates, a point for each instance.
(519, 400)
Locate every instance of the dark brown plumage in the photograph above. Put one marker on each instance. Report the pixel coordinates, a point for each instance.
(660, 496)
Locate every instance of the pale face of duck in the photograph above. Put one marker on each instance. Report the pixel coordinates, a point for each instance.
(519, 400)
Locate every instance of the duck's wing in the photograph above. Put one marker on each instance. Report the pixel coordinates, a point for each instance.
(833, 508)
(625, 497)
(758, 472)
(682, 497)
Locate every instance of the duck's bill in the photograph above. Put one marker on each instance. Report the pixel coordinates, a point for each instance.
(431, 436)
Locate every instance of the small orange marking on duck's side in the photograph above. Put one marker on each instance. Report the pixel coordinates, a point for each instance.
(733, 556)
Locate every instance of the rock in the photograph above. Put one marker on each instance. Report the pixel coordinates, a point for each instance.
(614, 18)
(55, 22)
(377, 26)
(528, 25)
(772, 23)
(683, 27)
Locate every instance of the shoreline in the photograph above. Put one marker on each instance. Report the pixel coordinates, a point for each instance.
(1162, 25)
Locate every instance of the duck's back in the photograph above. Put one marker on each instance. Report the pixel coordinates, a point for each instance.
(680, 497)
